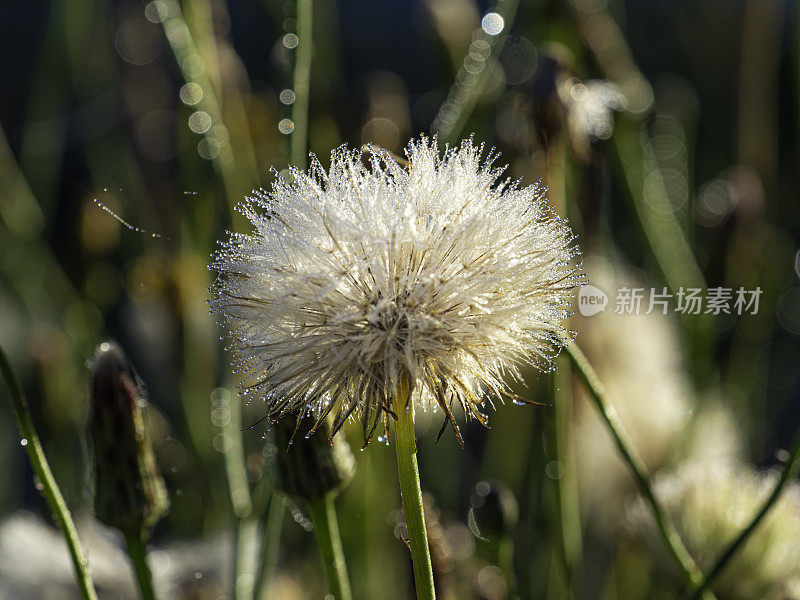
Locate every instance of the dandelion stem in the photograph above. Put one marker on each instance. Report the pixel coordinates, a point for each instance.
(298, 146)
(609, 416)
(137, 551)
(790, 471)
(50, 488)
(408, 472)
(326, 528)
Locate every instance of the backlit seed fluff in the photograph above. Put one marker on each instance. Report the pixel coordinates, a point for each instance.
(436, 276)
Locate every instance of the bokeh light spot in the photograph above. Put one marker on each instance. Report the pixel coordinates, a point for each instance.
(200, 121)
(290, 40)
(156, 11)
(286, 97)
(286, 126)
(191, 94)
(492, 23)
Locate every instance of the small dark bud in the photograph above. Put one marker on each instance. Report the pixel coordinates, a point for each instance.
(130, 494)
(549, 108)
(310, 466)
(494, 511)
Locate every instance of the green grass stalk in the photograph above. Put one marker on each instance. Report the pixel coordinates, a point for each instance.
(137, 552)
(326, 529)
(666, 528)
(50, 489)
(298, 144)
(789, 473)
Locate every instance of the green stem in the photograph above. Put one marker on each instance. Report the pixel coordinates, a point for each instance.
(137, 552)
(565, 486)
(50, 488)
(298, 145)
(662, 229)
(609, 416)
(246, 558)
(272, 524)
(790, 471)
(411, 493)
(462, 99)
(559, 426)
(185, 49)
(326, 528)
(246, 536)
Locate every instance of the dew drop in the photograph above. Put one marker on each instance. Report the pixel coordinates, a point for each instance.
(23, 442)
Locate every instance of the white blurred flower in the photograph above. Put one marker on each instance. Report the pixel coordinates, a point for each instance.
(35, 563)
(357, 280)
(710, 504)
(590, 107)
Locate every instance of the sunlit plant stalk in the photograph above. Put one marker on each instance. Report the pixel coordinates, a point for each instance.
(566, 488)
(50, 488)
(271, 525)
(298, 144)
(329, 540)
(454, 113)
(662, 229)
(665, 527)
(405, 444)
(662, 232)
(790, 471)
(184, 48)
(246, 544)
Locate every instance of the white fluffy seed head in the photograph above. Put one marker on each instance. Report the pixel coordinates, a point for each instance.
(436, 277)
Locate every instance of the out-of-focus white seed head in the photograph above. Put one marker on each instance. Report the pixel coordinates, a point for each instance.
(710, 503)
(366, 277)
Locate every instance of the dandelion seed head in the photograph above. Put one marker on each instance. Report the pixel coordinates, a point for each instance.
(438, 277)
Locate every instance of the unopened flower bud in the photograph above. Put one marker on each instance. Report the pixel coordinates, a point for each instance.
(310, 466)
(130, 494)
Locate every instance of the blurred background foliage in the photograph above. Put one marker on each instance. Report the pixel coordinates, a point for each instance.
(666, 131)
